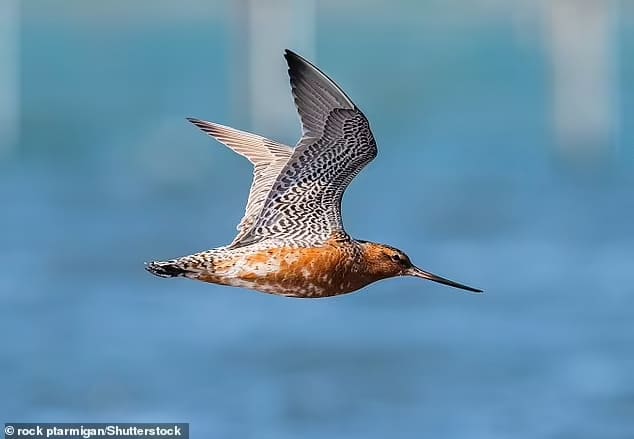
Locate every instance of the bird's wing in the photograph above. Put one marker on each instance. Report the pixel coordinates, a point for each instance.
(304, 203)
(268, 158)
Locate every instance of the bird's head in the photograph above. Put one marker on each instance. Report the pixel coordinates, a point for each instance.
(385, 261)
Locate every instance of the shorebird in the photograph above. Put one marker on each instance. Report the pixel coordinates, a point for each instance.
(291, 240)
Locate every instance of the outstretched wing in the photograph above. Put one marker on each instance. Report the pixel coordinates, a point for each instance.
(304, 203)
(268, 158)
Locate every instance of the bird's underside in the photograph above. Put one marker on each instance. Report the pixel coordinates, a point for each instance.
(291, 240)
(272, 267)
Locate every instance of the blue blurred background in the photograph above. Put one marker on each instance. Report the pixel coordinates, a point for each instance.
(506, 162)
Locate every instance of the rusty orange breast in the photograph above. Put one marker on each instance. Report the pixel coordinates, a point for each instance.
(322, 271)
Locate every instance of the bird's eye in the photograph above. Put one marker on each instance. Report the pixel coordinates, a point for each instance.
(396, 258)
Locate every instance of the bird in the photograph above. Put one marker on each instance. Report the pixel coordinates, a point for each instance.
(291, 240)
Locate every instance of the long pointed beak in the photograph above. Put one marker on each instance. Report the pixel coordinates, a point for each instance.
(417, 272)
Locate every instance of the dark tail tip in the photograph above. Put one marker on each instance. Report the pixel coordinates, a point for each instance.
(164, 269)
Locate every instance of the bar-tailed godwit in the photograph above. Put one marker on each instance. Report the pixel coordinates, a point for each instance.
(291, 240)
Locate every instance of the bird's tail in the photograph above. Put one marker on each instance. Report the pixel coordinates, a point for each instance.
(187, 266)
(172, 268)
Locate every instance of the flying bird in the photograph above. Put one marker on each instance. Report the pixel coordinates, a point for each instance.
(291, 240)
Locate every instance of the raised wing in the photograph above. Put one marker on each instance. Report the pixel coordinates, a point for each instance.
(268, 158)
(304, 203)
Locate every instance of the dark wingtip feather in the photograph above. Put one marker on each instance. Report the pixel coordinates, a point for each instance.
(295, 62)
(203, 125)
(302, 71)
(288, 53)
(292, 56)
